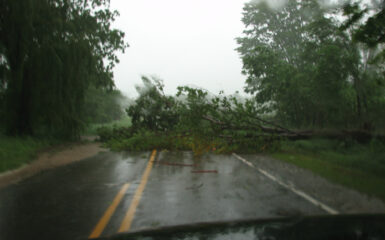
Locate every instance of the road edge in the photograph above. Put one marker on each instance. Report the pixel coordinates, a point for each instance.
(290, 187)
(49, 160)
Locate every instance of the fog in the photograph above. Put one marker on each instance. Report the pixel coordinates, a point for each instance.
(182, 42)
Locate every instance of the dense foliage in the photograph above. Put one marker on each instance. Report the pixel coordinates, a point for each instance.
(304, 69)
(50, 53)
(104, 106)
(370, 31)
(153, 110)
(193, 119)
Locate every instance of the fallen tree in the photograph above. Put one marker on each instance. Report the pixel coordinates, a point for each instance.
(258, 130)
(195, 120)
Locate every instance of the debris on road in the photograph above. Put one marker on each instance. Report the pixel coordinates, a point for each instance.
(176, 164)
(204, 171)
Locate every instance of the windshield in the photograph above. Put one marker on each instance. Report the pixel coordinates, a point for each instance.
(119, 116)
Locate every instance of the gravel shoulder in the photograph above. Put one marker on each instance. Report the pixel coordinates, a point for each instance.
(51, 159)
(345, 200)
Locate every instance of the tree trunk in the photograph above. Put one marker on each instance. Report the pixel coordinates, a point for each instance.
(283, 133)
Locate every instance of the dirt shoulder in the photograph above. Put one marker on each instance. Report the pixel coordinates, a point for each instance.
(49, 159)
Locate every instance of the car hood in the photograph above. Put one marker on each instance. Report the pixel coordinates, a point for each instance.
(367, 226)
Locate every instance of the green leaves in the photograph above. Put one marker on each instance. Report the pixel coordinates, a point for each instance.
(299, 65)
(370, 31)
(103, 106)
(197, 120)
(52, 52)
(152, 110)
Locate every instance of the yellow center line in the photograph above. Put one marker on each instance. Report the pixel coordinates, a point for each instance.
(127, 221)
(107, 215)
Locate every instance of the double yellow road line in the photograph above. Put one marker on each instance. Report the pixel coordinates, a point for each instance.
(127, 221)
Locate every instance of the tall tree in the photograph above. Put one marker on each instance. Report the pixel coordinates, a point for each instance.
(370, 31)
(297, 62)
(365, 23)
(52, 51)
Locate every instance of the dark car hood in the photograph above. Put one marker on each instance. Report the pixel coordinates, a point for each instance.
(293, 228)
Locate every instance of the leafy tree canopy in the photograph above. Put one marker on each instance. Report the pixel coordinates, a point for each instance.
(370, 31)
(302, 67)
(50, 53)
(104, 106)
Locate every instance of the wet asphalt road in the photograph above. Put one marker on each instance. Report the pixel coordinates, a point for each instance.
(68, 202)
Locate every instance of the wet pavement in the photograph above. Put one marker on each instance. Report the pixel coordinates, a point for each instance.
(68, 202)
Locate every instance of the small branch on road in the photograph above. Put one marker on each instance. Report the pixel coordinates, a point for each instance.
(176, 164)
(204, 171)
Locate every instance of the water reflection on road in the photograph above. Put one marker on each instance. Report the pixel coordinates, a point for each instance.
(67, 202)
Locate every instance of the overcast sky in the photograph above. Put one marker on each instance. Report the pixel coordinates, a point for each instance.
(183, 42)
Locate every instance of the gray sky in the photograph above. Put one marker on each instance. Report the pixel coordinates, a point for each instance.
(183, 42)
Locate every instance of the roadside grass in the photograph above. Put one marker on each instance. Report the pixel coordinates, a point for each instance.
(357, 166)
(16, 151)
(92, 129)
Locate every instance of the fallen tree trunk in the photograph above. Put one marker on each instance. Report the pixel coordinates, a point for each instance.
(358, 135)
(284, 133)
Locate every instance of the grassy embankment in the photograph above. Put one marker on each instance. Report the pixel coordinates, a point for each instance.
(357, 166)
(16, 151)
